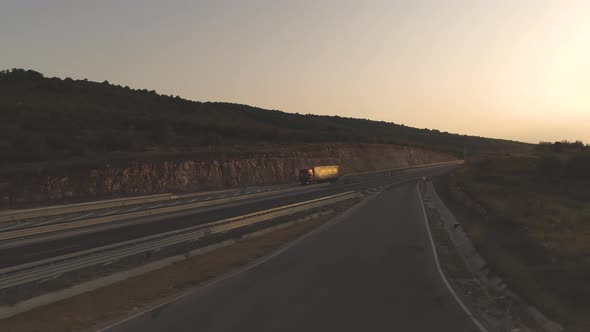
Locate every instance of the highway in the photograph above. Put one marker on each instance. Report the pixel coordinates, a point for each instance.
(166, 200)
(371, 269)
(31, 249)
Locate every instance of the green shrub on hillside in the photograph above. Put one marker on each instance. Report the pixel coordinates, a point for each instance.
(549, 166)
(578, 166)
(562, 147)
(52, 119)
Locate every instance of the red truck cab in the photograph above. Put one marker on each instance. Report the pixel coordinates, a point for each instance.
(306, 176)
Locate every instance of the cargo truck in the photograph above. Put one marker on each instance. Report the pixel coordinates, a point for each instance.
(318, 174)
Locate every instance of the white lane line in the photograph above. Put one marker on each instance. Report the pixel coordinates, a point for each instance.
(16, 226)
(241, 270)
(50, 250)
(108, 213)
(32, 223)
(66, 219)
(84, 216)
(134, 209)
(222, 196)
(52, 220)
(155, 206)
(442, 275)
(208, 198)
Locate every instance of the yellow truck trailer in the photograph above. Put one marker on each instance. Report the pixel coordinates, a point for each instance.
(319, 174)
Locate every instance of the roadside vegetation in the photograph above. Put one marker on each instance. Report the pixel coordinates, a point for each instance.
(45, 119)
(529, 215)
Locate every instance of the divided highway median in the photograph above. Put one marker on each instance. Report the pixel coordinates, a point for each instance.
(42, 279)
(16, 216)
(19, 283)
(84, 226)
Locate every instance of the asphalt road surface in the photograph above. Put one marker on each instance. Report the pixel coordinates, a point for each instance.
(371, 270)
(20, 252)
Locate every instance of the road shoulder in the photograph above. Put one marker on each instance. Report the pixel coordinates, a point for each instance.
(482, 291)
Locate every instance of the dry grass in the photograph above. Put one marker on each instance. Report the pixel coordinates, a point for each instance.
(534, 232)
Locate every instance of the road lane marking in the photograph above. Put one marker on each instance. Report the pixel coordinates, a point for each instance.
(61, 227)
(441, 273)
(65, 219)
(17, 225)
(58, 219)
(83, 216)
(109, 213)
(33, 254)
(237, 272)
(51, 211)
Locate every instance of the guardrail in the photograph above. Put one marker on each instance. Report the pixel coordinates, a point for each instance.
(56, 266)
(364, 176)
(409, 167)
(34, 231)
(17, 215)
(48, 211)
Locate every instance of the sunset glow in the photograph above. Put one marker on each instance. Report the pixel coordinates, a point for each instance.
(508, 69)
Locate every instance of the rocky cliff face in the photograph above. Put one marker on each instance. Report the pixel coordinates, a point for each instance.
(266, 166)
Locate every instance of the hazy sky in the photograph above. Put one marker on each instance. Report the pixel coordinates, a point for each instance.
(500, 68)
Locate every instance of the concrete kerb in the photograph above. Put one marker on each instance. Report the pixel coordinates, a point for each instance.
(459, 301)
(476, 263)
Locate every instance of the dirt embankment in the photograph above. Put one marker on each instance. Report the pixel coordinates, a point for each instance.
(204, 170)
(533, 231)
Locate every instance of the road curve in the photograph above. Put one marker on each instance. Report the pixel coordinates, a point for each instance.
(373, 270)
(19, 251)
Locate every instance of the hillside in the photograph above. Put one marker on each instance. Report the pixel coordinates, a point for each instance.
(43, 119)
(528, 215)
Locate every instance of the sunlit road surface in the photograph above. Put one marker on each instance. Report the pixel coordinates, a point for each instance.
(372, 270)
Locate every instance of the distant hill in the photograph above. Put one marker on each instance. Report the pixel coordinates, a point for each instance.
(44, 119)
